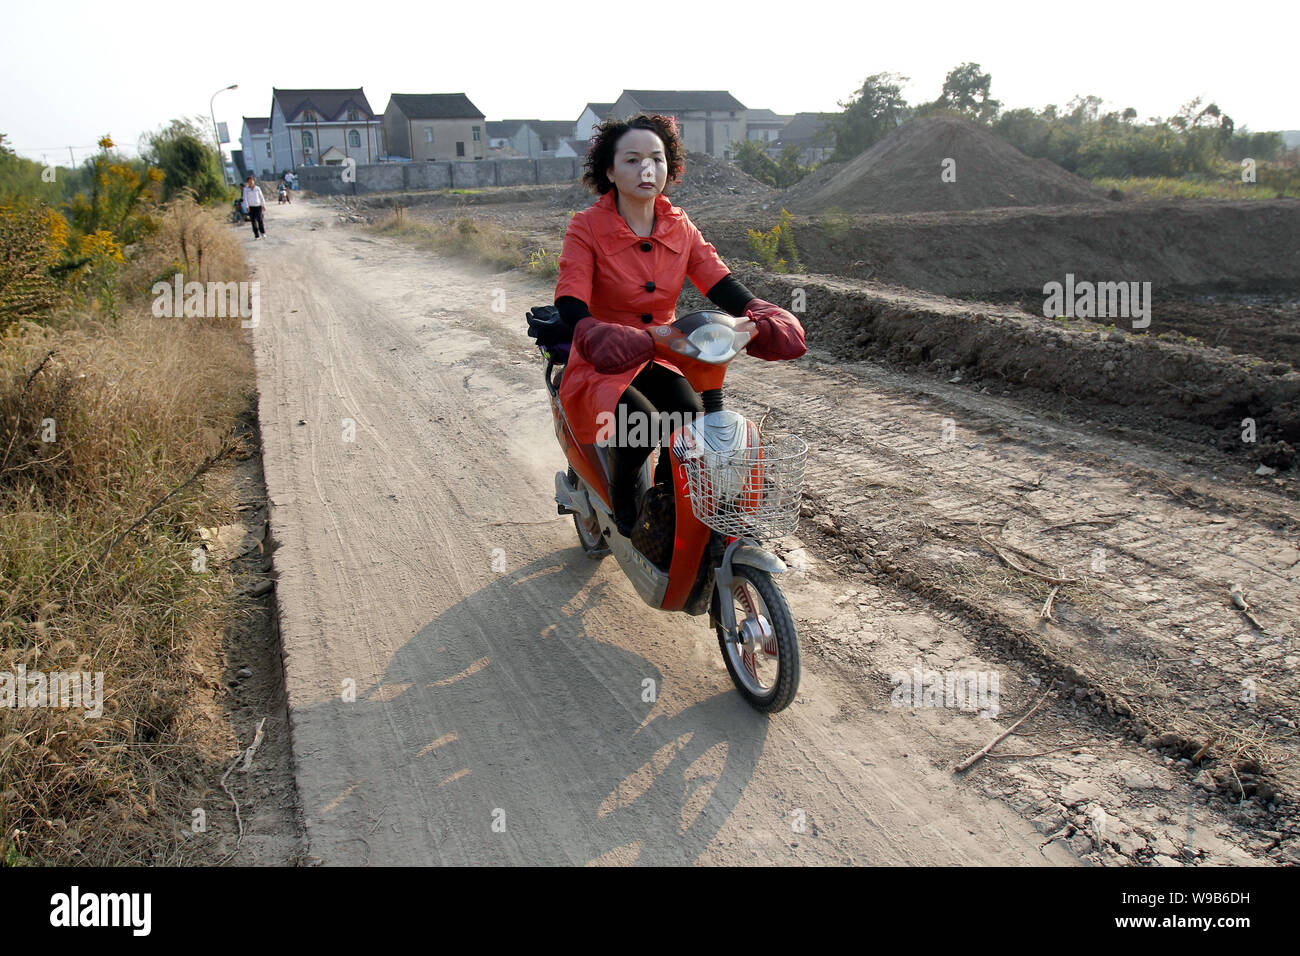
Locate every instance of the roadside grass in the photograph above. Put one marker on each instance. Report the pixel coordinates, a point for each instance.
(101, 419)
(1165, 187)
(479, 241)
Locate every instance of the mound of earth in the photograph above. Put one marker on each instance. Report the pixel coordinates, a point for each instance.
(811, 184)
(707, 177)
(905, 172)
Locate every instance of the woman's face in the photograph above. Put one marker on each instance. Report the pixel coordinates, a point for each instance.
(640, 164)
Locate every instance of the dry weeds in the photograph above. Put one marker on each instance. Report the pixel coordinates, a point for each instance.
(133, 408)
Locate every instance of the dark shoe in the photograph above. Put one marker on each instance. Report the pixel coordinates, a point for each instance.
(625, 510)
(625, 519)
(663, 469)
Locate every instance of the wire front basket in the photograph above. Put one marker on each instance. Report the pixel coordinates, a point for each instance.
(748, 492)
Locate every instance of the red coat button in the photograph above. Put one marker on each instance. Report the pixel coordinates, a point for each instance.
(646, 247)
(649, 286)
(647, 318)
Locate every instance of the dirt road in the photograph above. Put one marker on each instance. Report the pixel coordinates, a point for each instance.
(465, 687)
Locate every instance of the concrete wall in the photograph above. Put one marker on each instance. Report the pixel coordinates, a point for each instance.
(468, 174)
(415, 176)
(515, 172)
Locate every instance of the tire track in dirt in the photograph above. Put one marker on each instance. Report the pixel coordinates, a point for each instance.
(1151, 634)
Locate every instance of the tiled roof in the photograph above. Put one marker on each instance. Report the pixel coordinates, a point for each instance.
(330, 104)
(667, 101)
(435, 106)
(503, 129)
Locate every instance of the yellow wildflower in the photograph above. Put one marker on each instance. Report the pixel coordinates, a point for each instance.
(101, 243)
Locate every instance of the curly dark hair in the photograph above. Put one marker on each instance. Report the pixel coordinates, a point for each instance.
(600, 156)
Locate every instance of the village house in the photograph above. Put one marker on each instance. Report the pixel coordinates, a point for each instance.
(592, 114)
(531, 138)
(812, 133)
(573, 147)
(764, 126)
(506, 136)
(435, 126)
(710, 121)
(255, 140)
(323, 128)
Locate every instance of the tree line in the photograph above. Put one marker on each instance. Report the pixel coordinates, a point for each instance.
(1197, 140)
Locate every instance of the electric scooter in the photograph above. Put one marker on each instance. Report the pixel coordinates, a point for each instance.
(731, 488)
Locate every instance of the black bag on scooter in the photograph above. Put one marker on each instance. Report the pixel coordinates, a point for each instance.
(656, 525)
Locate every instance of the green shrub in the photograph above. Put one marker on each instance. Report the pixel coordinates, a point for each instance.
(775, 249)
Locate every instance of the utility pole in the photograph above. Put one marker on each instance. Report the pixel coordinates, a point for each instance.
(221, 159)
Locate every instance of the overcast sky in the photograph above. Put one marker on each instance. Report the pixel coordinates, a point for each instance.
(82, 69)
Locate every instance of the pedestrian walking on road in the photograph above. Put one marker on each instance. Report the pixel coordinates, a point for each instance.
(256, 204)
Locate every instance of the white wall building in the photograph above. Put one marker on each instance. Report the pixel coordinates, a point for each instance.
(315, 127)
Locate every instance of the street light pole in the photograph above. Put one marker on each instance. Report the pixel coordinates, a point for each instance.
(217, 135)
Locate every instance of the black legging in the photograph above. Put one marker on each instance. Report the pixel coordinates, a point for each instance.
(655, 389)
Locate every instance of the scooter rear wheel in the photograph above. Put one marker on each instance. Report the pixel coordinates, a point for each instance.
(589, 533)
(764, 666)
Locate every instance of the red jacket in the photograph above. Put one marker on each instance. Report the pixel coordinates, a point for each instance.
(627, 279)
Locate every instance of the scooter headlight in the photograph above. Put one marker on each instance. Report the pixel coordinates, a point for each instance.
(715, 342)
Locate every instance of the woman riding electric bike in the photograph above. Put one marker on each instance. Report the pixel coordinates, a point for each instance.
(621, 270)
(619, 362)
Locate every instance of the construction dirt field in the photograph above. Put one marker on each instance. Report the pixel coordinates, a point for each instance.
(1102, 510)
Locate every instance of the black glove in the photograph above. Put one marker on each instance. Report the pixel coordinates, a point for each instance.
(547, 326)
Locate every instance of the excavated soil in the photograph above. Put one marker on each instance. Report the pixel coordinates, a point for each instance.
(1151, 379)
(1187, 246)
(941, 163)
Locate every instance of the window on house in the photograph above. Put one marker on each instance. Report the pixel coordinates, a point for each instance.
(354, 115)
(307, 141)
(726, 130)
(460, 149)
(354, 139)
(477, 135)
(308, 115)
(428, 134)
(268, 149)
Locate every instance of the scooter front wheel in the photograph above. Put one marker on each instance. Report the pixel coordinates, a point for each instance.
(764, 664)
